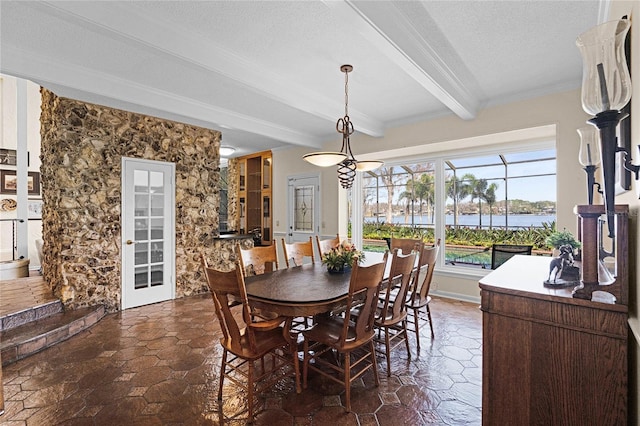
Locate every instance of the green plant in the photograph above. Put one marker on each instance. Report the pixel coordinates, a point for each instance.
(557, 239)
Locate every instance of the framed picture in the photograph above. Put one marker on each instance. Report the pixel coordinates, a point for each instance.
(34, 209)
(8, 157)
(9, 182)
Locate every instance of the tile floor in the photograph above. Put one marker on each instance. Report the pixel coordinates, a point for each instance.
(158, 365)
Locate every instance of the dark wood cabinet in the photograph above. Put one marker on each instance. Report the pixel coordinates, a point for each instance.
(549, 358)
(254, 195)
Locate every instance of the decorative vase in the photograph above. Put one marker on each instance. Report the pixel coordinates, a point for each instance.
(339, 269)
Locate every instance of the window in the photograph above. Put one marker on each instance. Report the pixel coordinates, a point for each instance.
(468, 201)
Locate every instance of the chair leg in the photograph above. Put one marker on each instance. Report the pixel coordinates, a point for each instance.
(296, 365)
(222, 372)
(305, 363)
(406, 337)
(372, 348)
(416, 324)
(430, 322)
(347, 379)
(387, 346)
(250, 389)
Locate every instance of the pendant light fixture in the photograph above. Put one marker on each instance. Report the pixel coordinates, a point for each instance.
(347, 164)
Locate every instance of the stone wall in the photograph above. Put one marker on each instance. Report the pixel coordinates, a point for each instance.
(232, 195)
(82, 148)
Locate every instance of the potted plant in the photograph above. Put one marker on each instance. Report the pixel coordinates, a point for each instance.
(340, 259)
(558, 239)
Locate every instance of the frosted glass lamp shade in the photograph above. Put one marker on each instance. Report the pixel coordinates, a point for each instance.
(325, 159)
(606, 83)
(367, 166)
(589, 146)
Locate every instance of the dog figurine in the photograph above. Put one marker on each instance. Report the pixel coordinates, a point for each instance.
(559, 263)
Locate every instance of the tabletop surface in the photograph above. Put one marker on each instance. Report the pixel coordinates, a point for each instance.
(304, 284)
(301, 284)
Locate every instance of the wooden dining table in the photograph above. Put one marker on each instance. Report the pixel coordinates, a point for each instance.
(303, 291)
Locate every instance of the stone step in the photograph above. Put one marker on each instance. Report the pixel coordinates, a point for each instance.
(24, 316)
(32, 337)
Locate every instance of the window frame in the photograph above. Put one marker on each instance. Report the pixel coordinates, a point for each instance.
(439, 158)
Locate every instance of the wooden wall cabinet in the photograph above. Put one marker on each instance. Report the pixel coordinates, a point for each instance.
(550, 358)
(254, 194)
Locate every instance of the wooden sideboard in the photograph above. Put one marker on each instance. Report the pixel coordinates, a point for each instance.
(549, 358)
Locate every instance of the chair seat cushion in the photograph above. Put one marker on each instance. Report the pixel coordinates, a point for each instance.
(266, 341)
(328, 331)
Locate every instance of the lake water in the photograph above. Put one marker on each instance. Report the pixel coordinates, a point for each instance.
(515, 220)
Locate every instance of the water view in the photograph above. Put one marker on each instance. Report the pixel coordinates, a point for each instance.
(516, 221)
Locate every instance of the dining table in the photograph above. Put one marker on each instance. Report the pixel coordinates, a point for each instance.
(303, 291)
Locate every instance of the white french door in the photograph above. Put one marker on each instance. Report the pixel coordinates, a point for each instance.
(148, 232)
(303, 218)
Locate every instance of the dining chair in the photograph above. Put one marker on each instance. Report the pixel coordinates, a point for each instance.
(500, 253)
(246, 341)
(420, 298)
(258, 260)
(406, 245)
(391, 313)
(326, 245)
(345, 334)
(295, 253)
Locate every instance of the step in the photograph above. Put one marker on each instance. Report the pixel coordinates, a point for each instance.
(24, 316)
(27, 339)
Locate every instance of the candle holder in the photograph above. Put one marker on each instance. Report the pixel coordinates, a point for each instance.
(589, 157)
(595, 276)
(606, 89)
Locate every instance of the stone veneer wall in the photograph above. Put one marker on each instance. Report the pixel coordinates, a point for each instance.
(82, 148)
(232, 195)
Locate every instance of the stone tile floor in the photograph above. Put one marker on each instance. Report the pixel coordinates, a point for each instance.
(159, 364)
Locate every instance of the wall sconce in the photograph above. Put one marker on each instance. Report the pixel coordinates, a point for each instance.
(606, 89)
(347, 164)
(589, 157)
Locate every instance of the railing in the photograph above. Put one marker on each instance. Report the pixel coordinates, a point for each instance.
(14, 238)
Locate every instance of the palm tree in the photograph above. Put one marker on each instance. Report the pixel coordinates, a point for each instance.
(478, 189)
(490, 198)
(458, 189)
(410, 199)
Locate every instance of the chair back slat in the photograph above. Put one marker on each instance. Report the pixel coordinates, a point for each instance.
(400, 274)
(364, 288)
(227, 288)
(406, 245)
(258, 260)
(424, 273)
(324, 246)
(295, 253)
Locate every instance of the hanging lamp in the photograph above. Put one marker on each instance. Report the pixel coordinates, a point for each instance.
(347, 164)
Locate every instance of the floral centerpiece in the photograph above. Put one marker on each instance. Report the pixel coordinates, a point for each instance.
(342, 257)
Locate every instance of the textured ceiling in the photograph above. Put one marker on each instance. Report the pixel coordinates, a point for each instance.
(267, 73)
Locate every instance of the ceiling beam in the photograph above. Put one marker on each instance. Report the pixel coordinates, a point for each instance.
(125, 20)
(407, 35)
(91, 86)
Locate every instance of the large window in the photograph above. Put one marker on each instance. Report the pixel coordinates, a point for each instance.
(468, 201)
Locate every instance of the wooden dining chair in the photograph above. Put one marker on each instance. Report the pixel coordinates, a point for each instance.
(406, 245)
(420, 298)
(325, 246)
(295, 253)
(346, 334)
(258, 260)
(246, 341)
(391, 314)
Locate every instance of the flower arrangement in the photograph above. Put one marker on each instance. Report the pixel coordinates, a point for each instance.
(342, 256)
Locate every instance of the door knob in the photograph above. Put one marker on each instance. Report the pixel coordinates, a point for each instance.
(129, 242)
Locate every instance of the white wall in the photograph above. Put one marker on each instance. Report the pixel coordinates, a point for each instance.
(8, 140)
